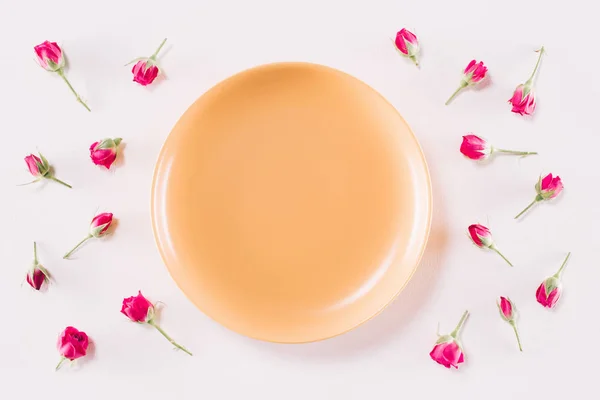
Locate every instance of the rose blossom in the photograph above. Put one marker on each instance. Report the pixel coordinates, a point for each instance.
(98, 227)
(50, 57)
(447, 350)
(473, 74)
(146, 69)
(37, 274)
(40, 169)
(72, 344)
(548, 293)
(523, 98)
(546, 188)
(482, 238)
(104, 153)
(507, 312)
(407, 44)
(477, 148)
(139, 309)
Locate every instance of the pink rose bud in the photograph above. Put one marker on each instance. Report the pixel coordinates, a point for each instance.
(447, 350)
(50, 57)
(473, 74)
(104, 153)
(548, 293)
(407, 44)
(482, 238)
(523, 99)
(139, 309)
(507, 312)
(72, 344)
(146, 69)
(546, 188)
(98, 228)
(37, 274)
(40, 169)
(477, 148)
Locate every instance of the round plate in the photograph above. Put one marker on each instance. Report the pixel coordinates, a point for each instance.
(291, 202)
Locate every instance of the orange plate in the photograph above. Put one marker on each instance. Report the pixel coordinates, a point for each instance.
(291, 202)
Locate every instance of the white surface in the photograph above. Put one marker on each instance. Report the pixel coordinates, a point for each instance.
(386, 358)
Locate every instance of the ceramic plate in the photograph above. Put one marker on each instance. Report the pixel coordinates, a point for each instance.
(291, 202)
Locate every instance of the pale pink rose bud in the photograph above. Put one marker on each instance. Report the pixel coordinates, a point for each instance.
(51, 57)
(548, 293)
(140, 309)
(37, 274)
(482, 238)
(477, 148)
(146, 69)
(523, 99)
(39, 168)
(72, 344)
(473, 74)
(546, 188)
(104, 153)
(98, 227)
(507, 312)
(447, 350)
(407, 44)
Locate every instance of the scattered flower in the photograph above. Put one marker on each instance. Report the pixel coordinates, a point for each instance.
(72, 344)
(473, 74)
(546, 188)
(477, 148)
(39, 168)
(523, 99)
(507, 312)
(407, 44)
(146, 69)
(50, 57)
(548, 293)
(482, 238)
(37, 274)
(447, 350)
(98, 228)
(104, 153)
(139, 309)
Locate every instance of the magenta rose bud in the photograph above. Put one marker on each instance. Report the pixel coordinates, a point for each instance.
(37, 274)
(447, 350)
(523, 99)
(477, 148)
(474, 73)
(146, 69)
(548, 293)
(49, 56)
(39, 168)
(72, 344)
(407, 44)
(546, 188)
(104, 153)
(139, 309)
(507, 312)
(98, 227)
(482, 238)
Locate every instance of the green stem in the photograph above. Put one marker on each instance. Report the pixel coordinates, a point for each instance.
(62, 75)
(517, 335)
(564, 264)
(537, 64)
(456, 330)
(414, 59)
(61, 182)
(501, 255)
(35, 258)
(515, 153)
(527, 208)
(62, 360)
(153, 57)
(158, 328)
(463, 85)
(88, 237)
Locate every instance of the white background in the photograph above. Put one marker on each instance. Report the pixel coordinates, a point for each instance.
(387, 358)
